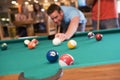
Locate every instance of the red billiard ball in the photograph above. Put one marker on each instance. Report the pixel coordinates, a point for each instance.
(98, 36)
(66, 60)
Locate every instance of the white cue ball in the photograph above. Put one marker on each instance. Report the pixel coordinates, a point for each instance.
(26, 42)
(56, 41)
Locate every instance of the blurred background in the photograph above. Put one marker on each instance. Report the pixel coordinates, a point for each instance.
(9, 8)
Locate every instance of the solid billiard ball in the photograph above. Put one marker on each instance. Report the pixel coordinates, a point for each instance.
(52, 56)
(26, 42)
(56, 41)
(31, 45)
(98, 36)
(72, 44)
(66, 60)
(4, 46)
(91, 35)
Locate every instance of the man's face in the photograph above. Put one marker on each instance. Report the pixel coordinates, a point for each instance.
(57, 17)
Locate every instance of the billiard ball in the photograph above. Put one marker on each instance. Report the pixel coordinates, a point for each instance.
(72, 44)
(26, 42)
(52, 56)
(4, 46)
(56, 41)
(98, 36)
(66, 60)
(31, 45)
(35, 41)
(91, 35)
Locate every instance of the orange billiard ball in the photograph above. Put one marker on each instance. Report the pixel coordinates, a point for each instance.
(31, 45)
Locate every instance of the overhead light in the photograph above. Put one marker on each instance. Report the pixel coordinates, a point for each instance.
(13, 2)
(55, 0)
(46, 1)
(26, 2)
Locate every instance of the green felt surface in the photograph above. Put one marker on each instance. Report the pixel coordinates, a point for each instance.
(89, 52)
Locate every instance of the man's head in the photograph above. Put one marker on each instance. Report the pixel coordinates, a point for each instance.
(56, 13)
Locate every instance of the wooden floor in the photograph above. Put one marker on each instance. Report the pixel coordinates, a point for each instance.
(103, 72)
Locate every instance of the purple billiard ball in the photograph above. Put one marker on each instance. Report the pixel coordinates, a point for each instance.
(91, 35)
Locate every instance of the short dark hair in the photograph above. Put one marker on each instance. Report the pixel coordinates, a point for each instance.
(52, 8)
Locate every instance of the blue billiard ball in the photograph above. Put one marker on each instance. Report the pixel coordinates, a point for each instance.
(52, 56)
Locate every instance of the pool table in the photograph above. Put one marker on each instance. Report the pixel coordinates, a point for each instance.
(33, 63)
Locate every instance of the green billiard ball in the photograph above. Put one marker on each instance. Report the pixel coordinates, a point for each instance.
(4, 46)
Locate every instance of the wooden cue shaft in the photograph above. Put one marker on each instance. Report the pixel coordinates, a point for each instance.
(1, 34)
(98, 15)
(58, 31)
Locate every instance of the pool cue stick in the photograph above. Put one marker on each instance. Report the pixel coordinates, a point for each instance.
(98, 16)
(58, 30)
(1, 30)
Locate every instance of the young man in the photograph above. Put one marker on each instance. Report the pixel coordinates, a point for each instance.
(104, 14)
(68, 20)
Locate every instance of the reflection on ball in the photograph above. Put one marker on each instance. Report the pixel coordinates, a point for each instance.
(66, 60)
(72, 44)
(56, 41)
(52, 56)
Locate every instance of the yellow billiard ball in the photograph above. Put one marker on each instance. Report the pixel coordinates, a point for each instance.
(72, 44)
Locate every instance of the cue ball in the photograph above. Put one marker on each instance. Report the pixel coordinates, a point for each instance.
(72, 44)
(91, 35)
(66, 60)
(52, 56)
(98, 36)
(56, 41)
(4, 46)
(26, 42)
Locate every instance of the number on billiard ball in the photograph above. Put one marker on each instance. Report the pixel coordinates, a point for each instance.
(52, 56)
(98, 36)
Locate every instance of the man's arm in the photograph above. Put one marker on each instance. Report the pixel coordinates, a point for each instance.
(72, 28)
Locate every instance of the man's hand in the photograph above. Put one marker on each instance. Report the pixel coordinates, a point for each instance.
(61, 36)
